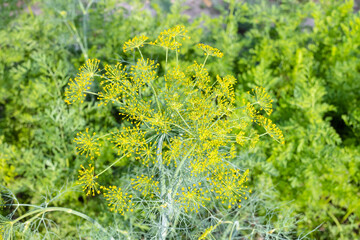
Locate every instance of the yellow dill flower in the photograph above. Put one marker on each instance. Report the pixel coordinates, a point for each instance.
(169, 38)
(159, 123)
(111, 93)
(210, 51)
(207, 232)
(251, 111)
(201, 76)
(146, 185)
(228, 185)
(270, 128)
(144, 72)
(254, 140)
(203, 161)
(129, 140)
(176, 149)
(87, 144)
(87, 178)
(240, 138)
(90, 68)
(232, 151)
(191, 198)
(147, 154)
(226, 87)
(135, 42)
(118, 201)
(114, 74)
(77, 87)
(185, 128)
(262, 98)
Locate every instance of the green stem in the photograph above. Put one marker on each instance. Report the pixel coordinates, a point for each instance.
(177, 171)
(111, 165)
(74, 31)
(156, 97)
(164, 218)
(181, 128)
(166, 59)
(142, 57)
(59, 209)
(92, 93)
(152, 87)
(204, 62)
(183, 119)
(232, 229)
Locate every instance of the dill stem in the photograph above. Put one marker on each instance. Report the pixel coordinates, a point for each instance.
(156, 97)
(164, 221)
(166, 59)
(59, 209)
(181, 128)
(152, 87)
(142, 57)
(73, 30)
(177, 171)
(183, 119)
(111, 165)
(204, 62)
(92, 93)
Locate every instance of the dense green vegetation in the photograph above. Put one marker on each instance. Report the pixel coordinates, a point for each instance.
(305, 54)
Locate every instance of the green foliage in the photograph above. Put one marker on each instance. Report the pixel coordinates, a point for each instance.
(305, 55)
(313, 70)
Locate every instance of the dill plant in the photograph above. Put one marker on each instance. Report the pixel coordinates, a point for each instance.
(183, 131)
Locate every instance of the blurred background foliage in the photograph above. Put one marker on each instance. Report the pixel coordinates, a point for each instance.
(305, 53)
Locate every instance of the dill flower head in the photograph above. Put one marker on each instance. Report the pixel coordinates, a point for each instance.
(135, 42)
(228, 185)
(87, 144)
(210, 51)
(129, 140)
(146, 185)
(263, 99)
(240, 138)
(270, 128)
(114, 74)
(206, 233)
(183, 127)
(76, 88)
(75, 92)
(170, 38)
(90, 68)
(87, 178)
(118, 201)
(192, 198)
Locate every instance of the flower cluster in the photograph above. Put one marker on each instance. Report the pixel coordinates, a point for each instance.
(87, 144)
(210, 51)
(270, 128)
(263, 99)
(119, 201)
(87, 178)
(228, 185)
(169, 38)
(129, 140)
(183, 128)
(78, 87)
(135, 42)
(146, 185)
(191, 198)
